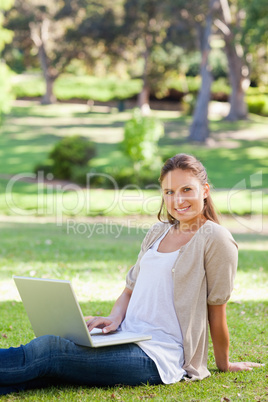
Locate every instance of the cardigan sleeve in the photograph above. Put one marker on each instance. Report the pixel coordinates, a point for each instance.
(221, 258)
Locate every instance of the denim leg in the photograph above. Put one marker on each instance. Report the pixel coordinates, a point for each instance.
(51, 357)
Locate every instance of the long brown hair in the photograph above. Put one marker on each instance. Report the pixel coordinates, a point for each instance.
(188, 162)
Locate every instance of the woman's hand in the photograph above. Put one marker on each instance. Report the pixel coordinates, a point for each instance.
(111, 323)
(220, 338)
(240, 366)
(107, 324)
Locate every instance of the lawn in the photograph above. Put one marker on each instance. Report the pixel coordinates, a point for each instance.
(92, 236)
(96, 262)
(237, 159)
(237, 150)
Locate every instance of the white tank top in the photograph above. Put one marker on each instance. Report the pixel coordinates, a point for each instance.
(151, 310)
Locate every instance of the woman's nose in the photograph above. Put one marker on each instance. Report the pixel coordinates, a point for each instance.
(179, 199)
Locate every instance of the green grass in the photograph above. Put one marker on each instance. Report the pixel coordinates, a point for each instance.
(25, 199)
(239, 151)
(29, 133)
(97, 266)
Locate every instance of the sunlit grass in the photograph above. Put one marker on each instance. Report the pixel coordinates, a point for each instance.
(61, 200)
(30, 131)
(96, 262)
(98, 254)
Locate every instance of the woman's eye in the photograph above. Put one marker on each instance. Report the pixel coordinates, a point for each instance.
(187, 189)
(169, 192)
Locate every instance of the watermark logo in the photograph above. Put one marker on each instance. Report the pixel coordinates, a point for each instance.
(67, 200)
(106, 227)
(249, 200)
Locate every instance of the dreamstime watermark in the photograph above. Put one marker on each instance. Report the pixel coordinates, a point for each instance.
(66, 200)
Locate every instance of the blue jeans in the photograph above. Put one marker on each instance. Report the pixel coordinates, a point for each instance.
(51, 360)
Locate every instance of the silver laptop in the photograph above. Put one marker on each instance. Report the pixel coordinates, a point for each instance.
(53, 309)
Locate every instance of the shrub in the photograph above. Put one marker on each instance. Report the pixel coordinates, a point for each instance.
(188, 104)
(148, 175)
(141, 135)
(67, 155)
(69, 152)
(256, 104)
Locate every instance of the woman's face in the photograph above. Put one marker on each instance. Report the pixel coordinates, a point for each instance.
(184, 196)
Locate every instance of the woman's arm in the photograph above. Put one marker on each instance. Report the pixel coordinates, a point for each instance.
(220, 339)
(112, 322)
(219, 335)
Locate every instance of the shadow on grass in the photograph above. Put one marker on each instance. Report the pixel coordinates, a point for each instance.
(226, 167)
(248, 342)
(24, 146)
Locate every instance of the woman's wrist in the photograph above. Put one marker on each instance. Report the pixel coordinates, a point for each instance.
(224, 366)
(115, 318)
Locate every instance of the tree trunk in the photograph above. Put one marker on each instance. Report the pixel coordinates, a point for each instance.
(143, 99)
(40, 35)
(199, 130)
(49, 96)
(238, 106)
(238, 71)
(144, 95)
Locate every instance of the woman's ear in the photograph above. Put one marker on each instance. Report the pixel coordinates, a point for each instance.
(206, 190)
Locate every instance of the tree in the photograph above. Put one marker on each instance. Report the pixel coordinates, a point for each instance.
(97, 34)
(145, 40)
(230, 26)
(198, 18)
(5, 73)
(254, 38)
(199, 130)
(47, 23)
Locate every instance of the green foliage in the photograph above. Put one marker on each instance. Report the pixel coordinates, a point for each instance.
(256, 104)
(6, 95)
(220, 86)
(185, 84)
(6, 4)
(125, 176)
(164, 63)
(217, 62)
(188, 104)
(69, 86)
(109, 88)
(29, 86)
(5, 74)
(256, 21)
(67, 155)
(5, 34)
(141, 135)
(70, 152)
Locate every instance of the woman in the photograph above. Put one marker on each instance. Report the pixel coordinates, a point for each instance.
(181, 281)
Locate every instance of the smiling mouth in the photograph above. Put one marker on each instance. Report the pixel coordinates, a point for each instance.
(182, 209)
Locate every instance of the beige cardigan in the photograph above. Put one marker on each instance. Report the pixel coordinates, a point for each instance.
(203, 274)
